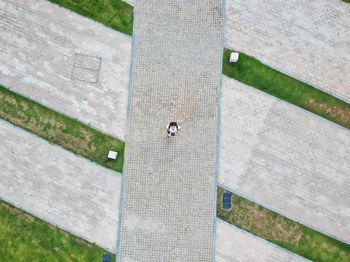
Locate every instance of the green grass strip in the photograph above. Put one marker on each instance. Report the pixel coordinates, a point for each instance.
(119, 16)
(112, 13)
(252, 72)
(282, 231)
(27, 238)
(94, 145)
(69, 133)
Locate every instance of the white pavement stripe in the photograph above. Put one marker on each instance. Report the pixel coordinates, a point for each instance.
(285, 159)
(308, 40)
(40, 57)
(58, 186)
(234, 244)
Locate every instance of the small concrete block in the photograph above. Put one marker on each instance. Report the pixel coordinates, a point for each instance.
(234, 57)
(112, 155)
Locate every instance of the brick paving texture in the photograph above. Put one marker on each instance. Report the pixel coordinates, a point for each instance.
(285, 158)
(58, 186)
(169, 200)
(66, 62)
(306, 39)
(234, 244)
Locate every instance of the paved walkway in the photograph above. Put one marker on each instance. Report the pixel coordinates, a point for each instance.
(82, 197)
(169, 200)
(248, 99)
(251, 104)
(306, 39)
(58, 186)
(285, 159)
(234, 244)
(69, 63)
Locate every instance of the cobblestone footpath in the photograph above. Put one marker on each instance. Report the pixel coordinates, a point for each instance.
(169, 199)
(285, 159)
(57, 98)
(58, 186)
(252, 105)
(67, 62)
(81, 197)
(306, 39)
(234, 244)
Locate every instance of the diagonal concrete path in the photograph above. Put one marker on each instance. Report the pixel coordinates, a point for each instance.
(285, 159)
(308, 40)
(59, 187)
(43, 49)
(169, 185)
(245, 107)
(249, 99)
(82, 197)
(234, 244)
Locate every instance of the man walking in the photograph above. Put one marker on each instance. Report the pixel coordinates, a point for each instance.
(172, 128)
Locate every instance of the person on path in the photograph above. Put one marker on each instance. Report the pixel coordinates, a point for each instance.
(172, 128)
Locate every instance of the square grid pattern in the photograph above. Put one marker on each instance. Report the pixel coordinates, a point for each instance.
(86, 68)
(168, 208)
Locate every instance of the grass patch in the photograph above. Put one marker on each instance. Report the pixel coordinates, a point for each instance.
(26, 238)
(252, 72)
(23, 236)
(282, 231)
(113, 13)
(69, 133)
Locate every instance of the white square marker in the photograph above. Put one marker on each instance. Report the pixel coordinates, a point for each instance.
(112, 155)
(234, 57)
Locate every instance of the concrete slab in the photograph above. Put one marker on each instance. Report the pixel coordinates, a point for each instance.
(308, 40)
(251, 110)
(58, 186)
(69, 63)
(285, 159)
(234, 244)
(175, 77)
(81, 197)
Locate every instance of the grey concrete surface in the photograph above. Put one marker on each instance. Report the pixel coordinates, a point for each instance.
(234, 244)
(175, 77)
(286, 159)
(83, 198)
(306, 39)
(69, 63)
(58, 186)
(251, 109)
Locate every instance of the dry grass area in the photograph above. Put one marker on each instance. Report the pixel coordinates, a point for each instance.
(282, 231)
(59, 129)
(340, 113)
(259, 220)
